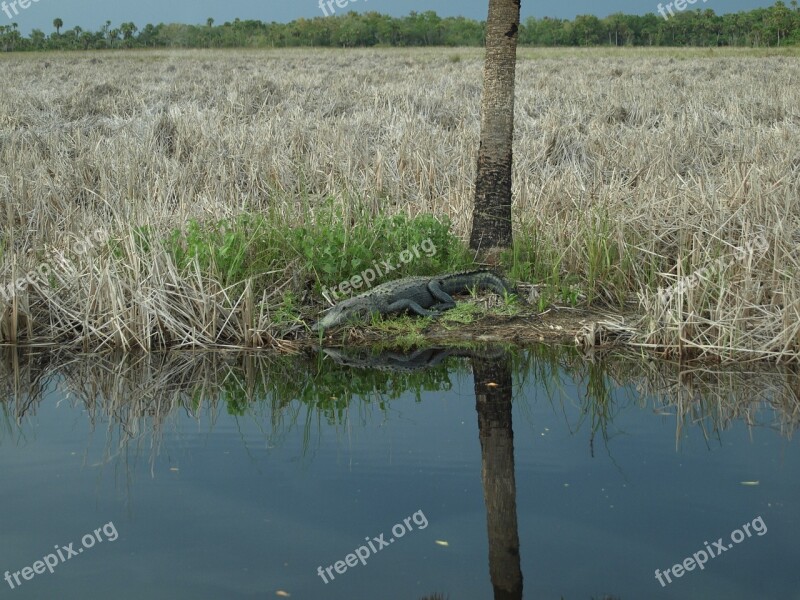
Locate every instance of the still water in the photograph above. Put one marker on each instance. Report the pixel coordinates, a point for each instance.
(533, 474)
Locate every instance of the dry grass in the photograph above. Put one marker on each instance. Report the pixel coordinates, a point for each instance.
(632, 168)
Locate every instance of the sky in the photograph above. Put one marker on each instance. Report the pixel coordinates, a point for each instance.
(91, 14)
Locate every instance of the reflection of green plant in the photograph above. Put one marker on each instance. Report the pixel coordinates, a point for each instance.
(599, 401)
(321, 386)
(235, 396)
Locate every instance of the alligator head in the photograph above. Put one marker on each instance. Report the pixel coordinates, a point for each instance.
(354, 308)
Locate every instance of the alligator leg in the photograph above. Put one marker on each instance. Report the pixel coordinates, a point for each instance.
(441, 307)
(446, 301)
(406, 304)
(500, 290)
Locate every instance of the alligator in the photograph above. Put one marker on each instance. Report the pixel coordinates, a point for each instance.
(421, 295)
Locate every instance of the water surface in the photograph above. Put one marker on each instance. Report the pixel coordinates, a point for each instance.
(239, 476)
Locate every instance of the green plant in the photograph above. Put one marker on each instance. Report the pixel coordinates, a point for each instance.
(406, 332)
(463, 314)
(288, 311)
(230, 250)
(333, 252)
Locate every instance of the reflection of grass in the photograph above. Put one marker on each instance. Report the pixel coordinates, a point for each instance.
(8, 426)
(284, 393)
(281, 393)
(599, 400)
(550, 371)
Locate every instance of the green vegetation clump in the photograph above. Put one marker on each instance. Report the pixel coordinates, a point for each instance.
(230, 250)
(325, 252)
(333, 252)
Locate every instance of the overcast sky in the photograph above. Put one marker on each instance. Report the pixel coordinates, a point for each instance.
(91, 14)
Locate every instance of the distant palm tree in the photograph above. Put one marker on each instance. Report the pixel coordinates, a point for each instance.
(128, 29)
(210, 22)
(58, 24)
(491, 216)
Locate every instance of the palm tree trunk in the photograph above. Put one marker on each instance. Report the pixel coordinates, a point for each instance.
(491, 218)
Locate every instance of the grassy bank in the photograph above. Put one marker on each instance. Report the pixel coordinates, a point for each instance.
(224, 190)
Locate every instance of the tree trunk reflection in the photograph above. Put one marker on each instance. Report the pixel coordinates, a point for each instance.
(493, 394)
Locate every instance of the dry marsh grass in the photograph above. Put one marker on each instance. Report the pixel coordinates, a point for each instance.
(632, 169)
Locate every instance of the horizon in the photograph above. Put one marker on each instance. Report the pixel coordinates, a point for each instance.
(92, 14)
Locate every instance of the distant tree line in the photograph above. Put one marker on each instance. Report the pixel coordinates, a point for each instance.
(777, 25)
